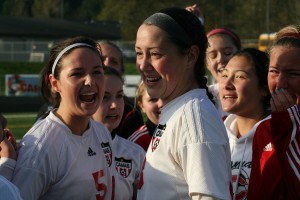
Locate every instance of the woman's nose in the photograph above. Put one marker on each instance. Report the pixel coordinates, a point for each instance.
(89, 80)
(281, 82)
(145, 63)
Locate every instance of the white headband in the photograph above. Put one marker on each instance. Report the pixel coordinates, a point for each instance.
(65, 50)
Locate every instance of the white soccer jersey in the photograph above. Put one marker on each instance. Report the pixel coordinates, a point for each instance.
(189, 153)
(128, 161)
(8, 191)
(53, 163)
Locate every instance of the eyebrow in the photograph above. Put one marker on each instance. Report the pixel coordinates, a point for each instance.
(234, 71)
(81, 68)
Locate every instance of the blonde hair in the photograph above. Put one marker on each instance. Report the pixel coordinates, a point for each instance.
(140, 91)
(288, 36)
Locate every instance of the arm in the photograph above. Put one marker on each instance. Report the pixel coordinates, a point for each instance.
(285, 126)
(30, 174)
(195, 9)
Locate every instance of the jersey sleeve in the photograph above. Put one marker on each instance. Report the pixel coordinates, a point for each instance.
(31, 182)
(30, 174)
(286, 138)
(205, 173)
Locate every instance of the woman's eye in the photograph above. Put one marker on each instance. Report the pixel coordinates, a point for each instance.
(273, 71)
(224, 76)
(211, 55)
(228, 53)
(120, 96)
(138, 53)
(155, 54)
(76, 74)
(293, 74)
(105, 97)
(153, 100)
(240, 76)
(98, 72)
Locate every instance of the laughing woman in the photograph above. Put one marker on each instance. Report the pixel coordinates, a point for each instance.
(276, 154)
(244, 93)
(64, 155)
(189, 155)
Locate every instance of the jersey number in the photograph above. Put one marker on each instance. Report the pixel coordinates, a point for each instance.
(101, 187)
(141, 182)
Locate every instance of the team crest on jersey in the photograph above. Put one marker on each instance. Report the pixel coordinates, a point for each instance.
(123, 166)
(156, 136)
(242, 184)
(107, 152)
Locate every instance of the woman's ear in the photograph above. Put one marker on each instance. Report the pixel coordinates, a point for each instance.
(140, 104)
(54, 83)
(193, 55)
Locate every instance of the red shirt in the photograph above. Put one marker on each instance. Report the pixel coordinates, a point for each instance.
(275, 172)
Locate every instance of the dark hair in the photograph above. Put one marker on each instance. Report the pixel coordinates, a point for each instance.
(197, 36)
(117, 48)
(112, 71)
(260, 62)
(47, 93)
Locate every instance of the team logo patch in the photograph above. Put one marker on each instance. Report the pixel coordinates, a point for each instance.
(123, 166)
(107, 152)
(156, 136)
(242, 184)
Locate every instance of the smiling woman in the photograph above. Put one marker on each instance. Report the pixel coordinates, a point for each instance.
(243, 93)
(67, 138)
(189, 148)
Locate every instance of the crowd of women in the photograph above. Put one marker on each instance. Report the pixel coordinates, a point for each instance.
(237, 138)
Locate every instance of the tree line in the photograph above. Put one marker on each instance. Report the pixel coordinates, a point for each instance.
(248, 18)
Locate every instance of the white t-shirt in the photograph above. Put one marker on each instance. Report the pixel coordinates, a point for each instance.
(128, 161)
(189, 153)
(53, 163)
(241, 156)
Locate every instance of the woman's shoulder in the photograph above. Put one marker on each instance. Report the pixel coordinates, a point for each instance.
(127, 145)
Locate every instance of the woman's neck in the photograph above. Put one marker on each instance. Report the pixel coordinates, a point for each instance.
(246, 123)
(77, 124)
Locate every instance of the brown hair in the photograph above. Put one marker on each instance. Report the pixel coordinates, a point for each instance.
(48, 94)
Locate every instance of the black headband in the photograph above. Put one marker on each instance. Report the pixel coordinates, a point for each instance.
(169, 25)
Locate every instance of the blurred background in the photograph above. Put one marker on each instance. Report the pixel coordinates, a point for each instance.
(29, 28)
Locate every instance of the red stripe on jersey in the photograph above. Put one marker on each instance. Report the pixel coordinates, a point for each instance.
(141, 131)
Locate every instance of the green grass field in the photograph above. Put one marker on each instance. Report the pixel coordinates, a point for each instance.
(19, 123)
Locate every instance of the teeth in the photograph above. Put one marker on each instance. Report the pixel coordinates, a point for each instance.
(89, 93)
(227, 97)
(152, 79)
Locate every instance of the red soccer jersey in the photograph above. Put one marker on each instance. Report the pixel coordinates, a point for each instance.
(276, 158)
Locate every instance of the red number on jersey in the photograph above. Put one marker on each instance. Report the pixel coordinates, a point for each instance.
(141, 182)
(101, 187)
